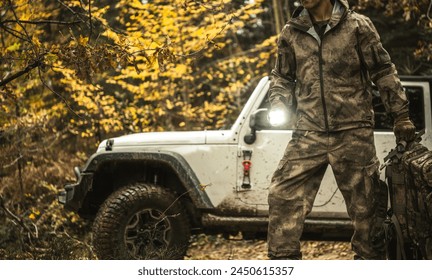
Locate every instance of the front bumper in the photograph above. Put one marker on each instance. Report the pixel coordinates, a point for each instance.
(67, 194)
(74, 194)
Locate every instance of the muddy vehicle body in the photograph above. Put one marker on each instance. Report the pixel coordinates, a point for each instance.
(148, 192)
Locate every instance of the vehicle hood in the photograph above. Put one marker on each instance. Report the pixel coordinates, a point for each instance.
(168, 138)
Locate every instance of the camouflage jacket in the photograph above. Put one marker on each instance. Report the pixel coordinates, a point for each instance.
(327, 80)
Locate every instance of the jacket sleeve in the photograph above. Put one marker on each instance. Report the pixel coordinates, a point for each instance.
(282, 76)
(381, 70)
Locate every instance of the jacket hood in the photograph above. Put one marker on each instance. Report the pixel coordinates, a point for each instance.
(302, 20)
(344, 3)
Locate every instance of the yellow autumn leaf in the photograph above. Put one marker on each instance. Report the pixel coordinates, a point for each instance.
(181, 69)
(51, 58)
(74, 219)
(15, 47)
(36, 42)
(112, 35)
(83, 41)
(169, 104)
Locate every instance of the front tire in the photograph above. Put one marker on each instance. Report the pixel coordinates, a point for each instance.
(141, 221)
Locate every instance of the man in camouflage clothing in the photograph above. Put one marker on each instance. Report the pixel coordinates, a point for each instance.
(327, 55)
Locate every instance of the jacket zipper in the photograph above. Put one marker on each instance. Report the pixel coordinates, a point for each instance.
(321, 62)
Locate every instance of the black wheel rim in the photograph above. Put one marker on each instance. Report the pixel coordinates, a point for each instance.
(147, 234)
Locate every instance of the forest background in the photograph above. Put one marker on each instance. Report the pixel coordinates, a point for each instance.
(74, 72)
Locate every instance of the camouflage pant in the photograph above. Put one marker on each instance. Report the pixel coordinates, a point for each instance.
(295, 183)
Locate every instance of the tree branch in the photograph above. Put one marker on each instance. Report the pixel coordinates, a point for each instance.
(46, 21)
(72, 11)
(29, 67)
(17, 219)
(63, 99)
(29, 38)
(90, 21)
(429, 11)
(15, 33)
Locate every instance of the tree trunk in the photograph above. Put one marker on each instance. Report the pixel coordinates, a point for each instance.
(278, 15)
(287, 10)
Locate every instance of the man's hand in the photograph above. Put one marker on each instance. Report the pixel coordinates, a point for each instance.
(278, 115)
(404, 129)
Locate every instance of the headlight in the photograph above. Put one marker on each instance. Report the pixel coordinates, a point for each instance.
(277, 117)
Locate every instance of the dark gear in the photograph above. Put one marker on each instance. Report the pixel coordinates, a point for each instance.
(409, 176)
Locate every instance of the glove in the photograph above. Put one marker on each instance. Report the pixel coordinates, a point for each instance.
(404, 129)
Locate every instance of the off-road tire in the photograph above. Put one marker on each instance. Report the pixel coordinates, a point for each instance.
(141, 221)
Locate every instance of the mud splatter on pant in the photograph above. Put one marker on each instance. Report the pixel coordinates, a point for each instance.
(352, 157)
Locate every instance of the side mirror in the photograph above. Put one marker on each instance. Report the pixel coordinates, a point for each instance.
(258, 121)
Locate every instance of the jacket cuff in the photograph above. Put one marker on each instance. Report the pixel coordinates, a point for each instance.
(403, 114)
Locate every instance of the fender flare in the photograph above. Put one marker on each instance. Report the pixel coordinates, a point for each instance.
(171, 159)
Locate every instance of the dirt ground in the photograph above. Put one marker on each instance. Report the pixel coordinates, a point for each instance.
(218, 248)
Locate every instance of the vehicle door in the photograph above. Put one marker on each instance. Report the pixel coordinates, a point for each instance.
(258, 160)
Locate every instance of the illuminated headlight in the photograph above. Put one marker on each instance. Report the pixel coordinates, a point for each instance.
(277, 117)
